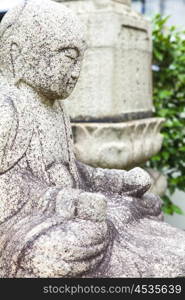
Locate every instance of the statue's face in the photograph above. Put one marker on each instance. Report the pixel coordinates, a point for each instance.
(58, 68)
(53, 68)
(52, 55)
(43, 47)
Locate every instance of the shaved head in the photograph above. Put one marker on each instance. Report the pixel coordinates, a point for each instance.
(42, 42)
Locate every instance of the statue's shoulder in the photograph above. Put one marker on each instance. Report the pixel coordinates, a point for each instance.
(15, 128)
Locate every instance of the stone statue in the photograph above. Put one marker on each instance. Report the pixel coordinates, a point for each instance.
(59, 217)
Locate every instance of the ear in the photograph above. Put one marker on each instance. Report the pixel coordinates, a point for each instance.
(16, 61)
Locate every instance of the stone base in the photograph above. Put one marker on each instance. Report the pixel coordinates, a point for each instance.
(117, 145)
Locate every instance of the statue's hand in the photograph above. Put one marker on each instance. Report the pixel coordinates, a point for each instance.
(132, 183)
(77, 243)
(135, 182)
(111, 181)
(77, 204)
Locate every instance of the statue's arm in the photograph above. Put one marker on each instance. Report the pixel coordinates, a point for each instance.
(19, 190)
(17, 185)
(75, 226)
(135, 182)
(26, 198)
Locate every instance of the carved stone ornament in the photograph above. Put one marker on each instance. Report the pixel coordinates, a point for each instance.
(60, 217)
(117, 145)
(113, 96)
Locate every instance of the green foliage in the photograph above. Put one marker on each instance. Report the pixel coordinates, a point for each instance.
(169, 102)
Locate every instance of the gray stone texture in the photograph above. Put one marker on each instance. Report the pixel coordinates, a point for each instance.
(111, 107)
(60, 217)
(117, 61)
(121, 145)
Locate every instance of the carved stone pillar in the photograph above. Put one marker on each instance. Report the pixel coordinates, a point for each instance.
(111, 107)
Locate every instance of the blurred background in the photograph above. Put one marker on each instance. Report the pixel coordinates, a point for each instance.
(173, 8)
(168, 31)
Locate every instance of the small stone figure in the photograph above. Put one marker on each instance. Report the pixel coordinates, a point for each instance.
(59, 217)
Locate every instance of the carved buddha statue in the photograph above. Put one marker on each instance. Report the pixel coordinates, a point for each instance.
(59, 217)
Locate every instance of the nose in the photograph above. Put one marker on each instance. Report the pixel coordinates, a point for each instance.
(76, 71)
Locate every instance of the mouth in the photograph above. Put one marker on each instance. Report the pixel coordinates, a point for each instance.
(71, 82)
(67, 89)
(70, 86)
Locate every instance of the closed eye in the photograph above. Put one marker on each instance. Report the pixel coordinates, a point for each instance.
(72, 53)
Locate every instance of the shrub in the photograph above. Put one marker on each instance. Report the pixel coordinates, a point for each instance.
(169, 102)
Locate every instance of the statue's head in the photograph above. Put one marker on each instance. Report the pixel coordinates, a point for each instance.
(42, 44)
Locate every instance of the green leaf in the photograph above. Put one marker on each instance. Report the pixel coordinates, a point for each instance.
(177, 210)
(169, 102)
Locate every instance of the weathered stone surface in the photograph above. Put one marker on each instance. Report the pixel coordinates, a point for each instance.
(117, 61)
(114, 87)
(117, 145)
(99, 2)
(128, 2)
(59, 217)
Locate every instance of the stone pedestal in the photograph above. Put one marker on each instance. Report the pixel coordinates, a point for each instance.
(111, 107)
(119, 145)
